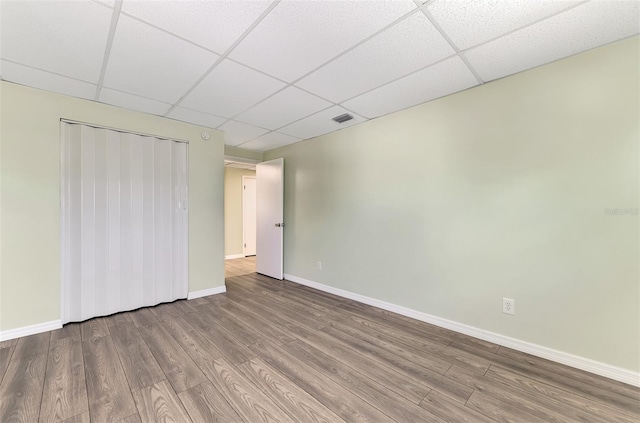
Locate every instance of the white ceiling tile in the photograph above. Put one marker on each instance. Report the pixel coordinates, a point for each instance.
(471, 22)
(320, 123)
(303, 35)
(68, 38)
(133, 102)
(283, 108)
(446, 77)
(406, 47)
(148, 62)
(46, 81)
(231, 88)
(215, 25)
(237, 132)
(587, 26)
(269, 141)
(197, 118)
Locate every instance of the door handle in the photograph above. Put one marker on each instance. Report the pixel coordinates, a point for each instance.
(279, 225)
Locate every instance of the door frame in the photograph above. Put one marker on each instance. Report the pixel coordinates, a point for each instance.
(244, 244)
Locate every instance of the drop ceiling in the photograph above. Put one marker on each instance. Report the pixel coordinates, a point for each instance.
(271, 73)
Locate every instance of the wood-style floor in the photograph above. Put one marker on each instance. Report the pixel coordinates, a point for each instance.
(272, 351)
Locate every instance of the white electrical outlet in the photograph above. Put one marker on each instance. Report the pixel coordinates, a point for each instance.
(508, 306)
(319, 264)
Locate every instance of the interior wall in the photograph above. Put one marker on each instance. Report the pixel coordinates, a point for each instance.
(526, 188)
(233, 209)
(30, 197)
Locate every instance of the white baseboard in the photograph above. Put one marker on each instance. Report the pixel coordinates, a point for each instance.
(582, 363)
(234, 256)
(30, 330)
(207, 292)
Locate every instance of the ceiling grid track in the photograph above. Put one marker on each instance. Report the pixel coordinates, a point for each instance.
(117, 6)
(225, 54)
(292, 84)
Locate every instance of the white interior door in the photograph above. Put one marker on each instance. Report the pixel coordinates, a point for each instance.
(124, 221)
(270, 222)
(249, 215)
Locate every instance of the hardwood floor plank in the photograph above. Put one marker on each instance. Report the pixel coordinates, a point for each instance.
(32, 344)
(80, 418)
(546, 409)
(139, 365)
(167, 310)
(65, 388)
(258, 322)
(451, 410)
(197, 346)
(118, 319)
(159, 403)
(205, 403)
(143, 317)
(499, 410)
(475, 342)
(8, 343)
(342, 402)
(570, 372)
(287, 395)
(395, 406)
(107, 388)
(5, 357)
(181, 371)
(220, 317)
(21, 388)
(283, 311)
(134, 418)
(390, 334)
(199, 301)
(249, 402)
(408, 352)
(593, 393)
(68, 330)
(231, 348)
(408, 369)
(408, 387)
(518, 381)
(93, 329)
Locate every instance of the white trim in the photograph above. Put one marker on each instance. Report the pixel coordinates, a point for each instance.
(206, 292)
(30, 330)
(239, 159)
(244, 223)
(234, 256)
(582, 363)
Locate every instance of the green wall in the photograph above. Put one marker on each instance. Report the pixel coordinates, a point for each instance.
(497, 191)
(30, 197)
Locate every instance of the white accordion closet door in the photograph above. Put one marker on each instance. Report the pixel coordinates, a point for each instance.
(124, 221)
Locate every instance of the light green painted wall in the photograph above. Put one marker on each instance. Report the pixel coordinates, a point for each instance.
(233, 209)
(498, 191)
(30, 197)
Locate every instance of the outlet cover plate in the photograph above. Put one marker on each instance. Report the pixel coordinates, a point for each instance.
(508, 306)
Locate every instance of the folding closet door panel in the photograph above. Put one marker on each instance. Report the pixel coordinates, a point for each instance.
(136, 237)
(179, 217)
(87, 223)
(162, 208)
(100, 222)
(123, 220)
(148, 223)
(114, 259)
(71, 221)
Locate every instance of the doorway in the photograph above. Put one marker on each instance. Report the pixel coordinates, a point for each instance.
(239, 219)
